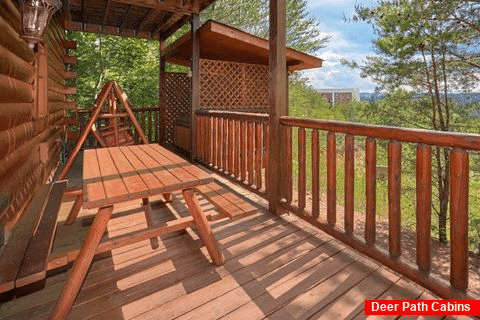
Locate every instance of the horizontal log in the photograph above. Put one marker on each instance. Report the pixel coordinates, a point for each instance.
(242, 116)
(69, 91)
(13, 90)
(18, 185)
(69, 59)
(69, 75)
(54, 96)
(13, 114)
(56, 118)
(18, 156)
(10, 39)
(11, 65)
(68, 105)
(13, 138)
(69, 44)
(12, 16)
(55, 73)
(430, 137)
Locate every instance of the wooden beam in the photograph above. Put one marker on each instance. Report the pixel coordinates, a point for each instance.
(111, 30)
(278, 98)
(195, 67)
(124, 19)
(165, 18)
(167, 5)
(148, 15)
(105, 16)
(173, 23)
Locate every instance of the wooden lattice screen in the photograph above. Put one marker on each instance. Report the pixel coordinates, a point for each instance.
(233, 86)
(177, 101)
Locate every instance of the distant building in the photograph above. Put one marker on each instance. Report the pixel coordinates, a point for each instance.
(340, 95)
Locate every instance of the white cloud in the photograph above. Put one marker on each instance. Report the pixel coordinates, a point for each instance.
(350, 41)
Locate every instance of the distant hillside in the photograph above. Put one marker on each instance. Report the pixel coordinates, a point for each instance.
(462, 98)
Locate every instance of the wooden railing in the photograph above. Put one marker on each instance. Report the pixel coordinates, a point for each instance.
(295, 199)
(234, 144)
(147, 117)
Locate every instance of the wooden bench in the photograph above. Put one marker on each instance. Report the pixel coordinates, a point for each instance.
(24, 258)
(226, 201)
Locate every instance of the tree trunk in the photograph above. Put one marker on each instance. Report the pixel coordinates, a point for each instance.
(443, 179)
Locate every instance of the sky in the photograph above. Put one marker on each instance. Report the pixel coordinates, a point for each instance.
(350, 40)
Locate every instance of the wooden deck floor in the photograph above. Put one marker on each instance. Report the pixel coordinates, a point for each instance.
(277, 268)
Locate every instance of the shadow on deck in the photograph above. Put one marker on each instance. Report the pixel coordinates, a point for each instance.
(276, 268)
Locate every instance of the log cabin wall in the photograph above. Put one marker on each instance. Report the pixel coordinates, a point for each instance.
(32, 108)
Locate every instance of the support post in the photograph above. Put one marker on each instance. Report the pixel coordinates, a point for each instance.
(195, 68)
(278, 99)
(162, 114)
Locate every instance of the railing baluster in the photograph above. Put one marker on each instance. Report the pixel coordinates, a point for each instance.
(266, 134)
(371, 180)
(243, 152)
(199, 135)
(209, 141)
(349, 183)
(394, 193)
(459, 175)
(230, 146)
(258, 155)
(150, 129)
(288, 173)
(302, 169)
(331, 179)
(215, 142)
(250, 152)
(237, 149)
(221, 142)
(225, 146)
(315, 175)
(424, 206)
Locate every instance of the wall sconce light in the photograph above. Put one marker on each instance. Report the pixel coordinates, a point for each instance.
(36, 15)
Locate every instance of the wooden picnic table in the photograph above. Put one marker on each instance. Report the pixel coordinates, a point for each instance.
(118, 174)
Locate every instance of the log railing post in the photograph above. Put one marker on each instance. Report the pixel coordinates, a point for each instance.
(424, 206)
(331, 179)
(371, 186)
(394, 194)
(278, 98)
(459, 172)
(349, 183)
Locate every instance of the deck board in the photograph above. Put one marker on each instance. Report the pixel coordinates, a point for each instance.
(276, 268)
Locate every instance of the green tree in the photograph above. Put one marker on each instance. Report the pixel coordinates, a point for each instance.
(414, 48)
(133, 63)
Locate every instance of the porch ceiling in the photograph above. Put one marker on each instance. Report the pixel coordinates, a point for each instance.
(150, 19)
(222, 42)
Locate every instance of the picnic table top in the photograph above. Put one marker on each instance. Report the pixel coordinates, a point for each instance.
(118, 174)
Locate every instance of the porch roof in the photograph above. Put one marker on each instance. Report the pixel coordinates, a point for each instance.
(150, 19)
(221, 42)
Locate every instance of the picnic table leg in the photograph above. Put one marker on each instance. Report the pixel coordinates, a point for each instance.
(167, 196)
(82, 264)
(204, 229)
(77, 205)
(150, 221)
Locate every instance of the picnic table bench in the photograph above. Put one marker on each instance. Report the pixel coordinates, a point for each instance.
(24, 259)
